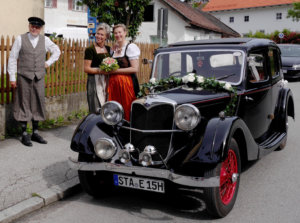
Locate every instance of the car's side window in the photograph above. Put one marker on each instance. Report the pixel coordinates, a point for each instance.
(274, 62)
(257, 71)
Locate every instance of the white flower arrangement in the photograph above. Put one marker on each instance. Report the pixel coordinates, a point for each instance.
(152, 80)
(191, 82)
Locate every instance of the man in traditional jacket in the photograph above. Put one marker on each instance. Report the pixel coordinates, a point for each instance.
(27, 59)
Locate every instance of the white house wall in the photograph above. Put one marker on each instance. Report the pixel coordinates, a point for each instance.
(59, 19)
(178, 29)
(259, 19)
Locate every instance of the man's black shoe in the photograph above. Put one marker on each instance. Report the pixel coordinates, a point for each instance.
(37, 138)
(26, 140)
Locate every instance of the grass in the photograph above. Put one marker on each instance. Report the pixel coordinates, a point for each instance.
(49, 123)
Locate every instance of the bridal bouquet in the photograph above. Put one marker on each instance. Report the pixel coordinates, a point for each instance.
(109, 64)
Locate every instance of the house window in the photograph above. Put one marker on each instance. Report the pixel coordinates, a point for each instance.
(77, 7)
(231, 19)
(149, 13)
(51, 3)
(246, 18)
(48, 3)
(279, 16)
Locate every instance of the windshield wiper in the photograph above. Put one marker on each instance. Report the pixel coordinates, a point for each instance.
(224, 77)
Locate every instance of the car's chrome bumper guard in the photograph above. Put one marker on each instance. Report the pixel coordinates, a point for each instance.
(146, 172)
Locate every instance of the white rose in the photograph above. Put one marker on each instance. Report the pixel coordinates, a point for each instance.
(200, 79)
(227, 87)
(284, 83)
(152, 80)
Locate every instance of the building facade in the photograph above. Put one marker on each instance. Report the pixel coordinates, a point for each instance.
(254, 16)
(14, 15)
(172, 21)
(66, 18)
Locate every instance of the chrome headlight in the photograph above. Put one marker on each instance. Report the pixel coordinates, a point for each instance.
(187, 117)
(105, 148)
(112, 112)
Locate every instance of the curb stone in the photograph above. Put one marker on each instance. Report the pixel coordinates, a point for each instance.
(42, 199)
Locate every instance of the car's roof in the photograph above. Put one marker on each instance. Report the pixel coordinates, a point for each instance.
(247, 43)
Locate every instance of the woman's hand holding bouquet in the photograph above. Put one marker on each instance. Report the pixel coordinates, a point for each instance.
(109, 64)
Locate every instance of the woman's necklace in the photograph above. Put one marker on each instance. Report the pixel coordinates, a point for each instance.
(119, 48)
(101, 48)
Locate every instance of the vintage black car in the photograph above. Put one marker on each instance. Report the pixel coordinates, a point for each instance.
(290, 57)
(210, 107)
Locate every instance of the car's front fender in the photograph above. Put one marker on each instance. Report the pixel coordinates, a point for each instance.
(88, 131)
(218, 133)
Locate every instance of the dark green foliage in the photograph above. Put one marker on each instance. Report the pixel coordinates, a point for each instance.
(295, 12)
(130, 13)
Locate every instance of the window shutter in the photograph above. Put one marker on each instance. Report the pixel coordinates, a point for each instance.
(70, 4)
(54, 3)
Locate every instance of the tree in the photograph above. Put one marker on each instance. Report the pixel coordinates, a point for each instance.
(295, 12)
(130, 13)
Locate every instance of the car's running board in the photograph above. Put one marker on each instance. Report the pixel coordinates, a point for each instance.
(271, 143)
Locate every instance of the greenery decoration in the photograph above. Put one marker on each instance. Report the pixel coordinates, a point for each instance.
(194, 82)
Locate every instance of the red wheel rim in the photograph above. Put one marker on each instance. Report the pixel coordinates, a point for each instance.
(227, 185)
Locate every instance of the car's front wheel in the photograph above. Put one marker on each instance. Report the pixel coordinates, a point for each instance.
(220, 200)
(94, 183)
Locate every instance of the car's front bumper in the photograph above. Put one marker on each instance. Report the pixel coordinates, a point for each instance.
(147, 172)
(290, 73)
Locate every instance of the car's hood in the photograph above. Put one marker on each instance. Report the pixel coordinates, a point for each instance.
(182, 95)
(290, 61)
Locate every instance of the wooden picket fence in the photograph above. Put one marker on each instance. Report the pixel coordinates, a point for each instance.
(66, 75)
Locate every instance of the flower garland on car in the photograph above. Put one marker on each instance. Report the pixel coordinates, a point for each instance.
(109, 64)
(191, 81)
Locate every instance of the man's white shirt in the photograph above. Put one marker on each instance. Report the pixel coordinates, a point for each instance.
(14, 53)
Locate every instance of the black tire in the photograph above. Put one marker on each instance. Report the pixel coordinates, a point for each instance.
(219, 203)
(96, 184)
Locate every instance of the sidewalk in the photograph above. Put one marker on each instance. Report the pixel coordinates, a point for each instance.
(33, 177)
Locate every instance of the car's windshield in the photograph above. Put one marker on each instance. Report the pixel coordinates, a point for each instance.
(290, 50)
(225, 65)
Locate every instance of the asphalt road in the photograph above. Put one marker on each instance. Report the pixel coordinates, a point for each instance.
(269, 193)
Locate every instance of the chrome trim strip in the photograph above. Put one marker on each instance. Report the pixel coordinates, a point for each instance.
(151, 131)
(146, 171)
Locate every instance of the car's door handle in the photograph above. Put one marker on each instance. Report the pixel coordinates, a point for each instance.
(249, 98)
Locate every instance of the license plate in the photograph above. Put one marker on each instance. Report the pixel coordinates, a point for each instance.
(139, 183)
(284, 71)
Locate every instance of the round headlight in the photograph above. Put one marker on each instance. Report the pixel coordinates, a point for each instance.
(105, 148)
(112, 112)
(187, 117)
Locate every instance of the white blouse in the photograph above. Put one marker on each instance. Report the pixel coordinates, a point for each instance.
(133, 52)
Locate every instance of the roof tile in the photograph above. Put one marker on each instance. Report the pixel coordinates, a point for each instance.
(219, 5)
(198, 18)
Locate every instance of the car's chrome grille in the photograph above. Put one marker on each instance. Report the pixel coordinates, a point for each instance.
(157, 117)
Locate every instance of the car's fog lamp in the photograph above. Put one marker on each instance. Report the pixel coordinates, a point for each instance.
(145, 159)
(124, 156)
(112, 112)
(105, 148)
(187, 117)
